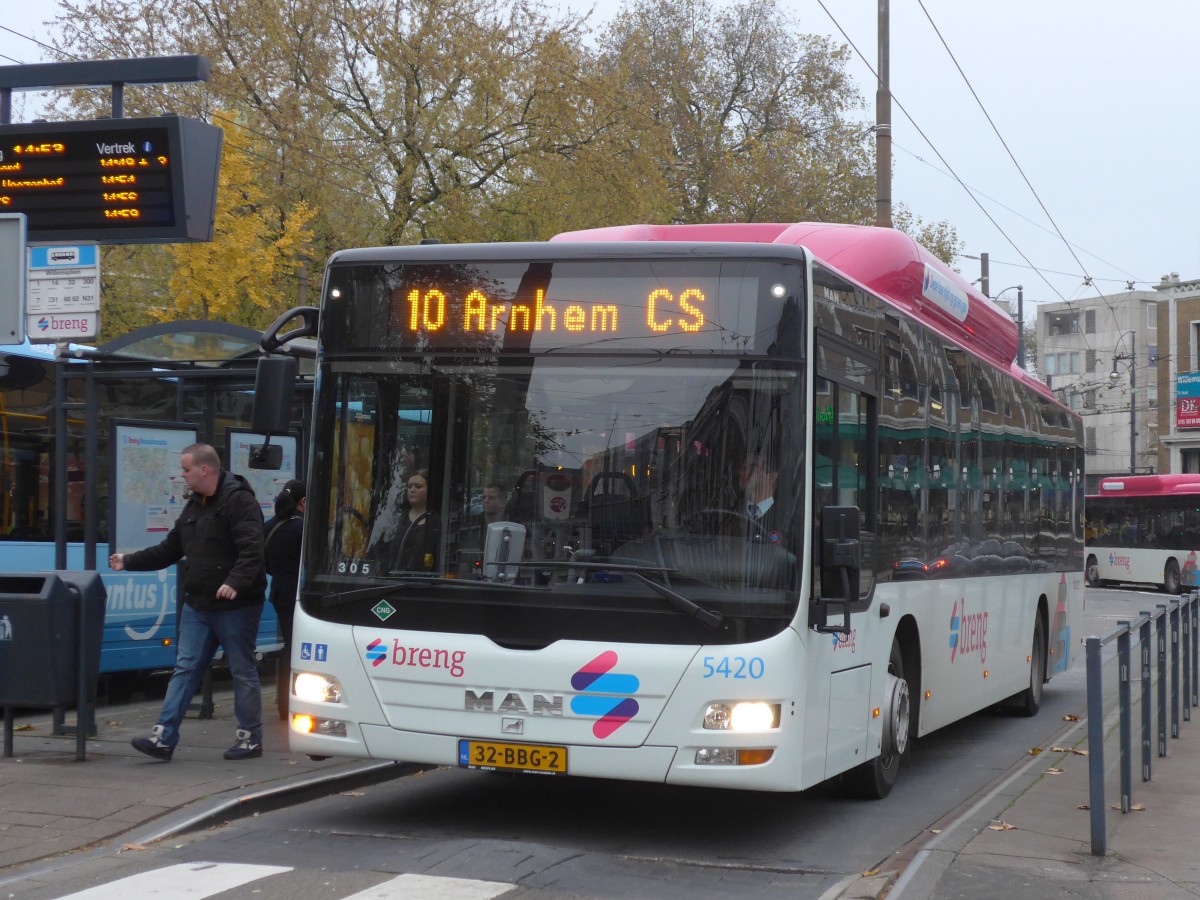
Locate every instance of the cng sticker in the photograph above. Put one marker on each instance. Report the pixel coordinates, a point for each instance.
(383, 610)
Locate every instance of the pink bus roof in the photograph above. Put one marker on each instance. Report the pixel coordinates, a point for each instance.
(886, 262)
(1149, 485)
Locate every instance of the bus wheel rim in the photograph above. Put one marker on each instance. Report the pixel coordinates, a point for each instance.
(896, 719)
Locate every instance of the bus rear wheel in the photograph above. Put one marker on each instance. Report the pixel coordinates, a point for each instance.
(874, 780)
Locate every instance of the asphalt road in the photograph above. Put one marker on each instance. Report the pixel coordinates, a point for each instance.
(585, 838)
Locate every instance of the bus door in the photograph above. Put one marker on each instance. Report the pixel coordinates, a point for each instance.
(844, 423)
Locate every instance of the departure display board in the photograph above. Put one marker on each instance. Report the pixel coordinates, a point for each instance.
(113, 181)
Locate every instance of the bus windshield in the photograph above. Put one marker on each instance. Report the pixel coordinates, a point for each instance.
(618, 472)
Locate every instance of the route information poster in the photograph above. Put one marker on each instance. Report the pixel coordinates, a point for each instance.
(148, 483)
(267, 483)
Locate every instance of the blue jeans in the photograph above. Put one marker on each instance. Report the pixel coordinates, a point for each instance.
(200, 633)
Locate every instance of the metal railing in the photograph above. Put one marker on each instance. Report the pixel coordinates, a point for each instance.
(1171, 631)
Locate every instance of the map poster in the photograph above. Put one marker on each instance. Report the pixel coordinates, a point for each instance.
(147, 482)
(267, 483)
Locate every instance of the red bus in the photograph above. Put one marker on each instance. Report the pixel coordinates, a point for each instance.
(1144, 529)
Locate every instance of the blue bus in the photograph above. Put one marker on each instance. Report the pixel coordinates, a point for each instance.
(133, 382)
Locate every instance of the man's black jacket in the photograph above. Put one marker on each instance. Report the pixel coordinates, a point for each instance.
(222, 538)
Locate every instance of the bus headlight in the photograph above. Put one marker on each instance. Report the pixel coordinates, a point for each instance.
(316, 688)
(745, 716)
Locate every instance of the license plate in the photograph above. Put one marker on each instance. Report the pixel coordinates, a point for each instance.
(516, 757)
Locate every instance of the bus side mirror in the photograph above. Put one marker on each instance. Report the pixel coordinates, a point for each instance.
(841, 562)
(274, 387)
(841, 553)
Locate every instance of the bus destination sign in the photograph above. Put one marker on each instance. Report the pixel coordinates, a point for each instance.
(112, 181)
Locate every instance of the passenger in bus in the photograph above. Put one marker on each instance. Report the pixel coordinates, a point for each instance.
(473, 532)
(220, 531)
(419, 529)
(284, 532)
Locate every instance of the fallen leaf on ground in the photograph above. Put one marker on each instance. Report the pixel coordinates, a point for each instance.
(132, 847)
(869, 872)
(1083, 806)
(1070, 718)
(353, 794)
(1002, 826)
(1068, 750)
(1034, 751)
(25, 728)
(1054, 770)
(935, 831)
(1138, 807)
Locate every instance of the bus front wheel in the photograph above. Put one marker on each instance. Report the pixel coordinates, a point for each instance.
(1029, 701)
(1171, 581)
(874, 780)
(1092, 572)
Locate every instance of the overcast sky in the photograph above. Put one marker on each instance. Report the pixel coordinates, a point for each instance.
(1096, 100)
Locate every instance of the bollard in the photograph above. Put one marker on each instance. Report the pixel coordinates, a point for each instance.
(1095, 708)
(1185, 645)
(1160, 632)
(1147, 708)
(1194, 690)
(1123, 701)
(1174, 649)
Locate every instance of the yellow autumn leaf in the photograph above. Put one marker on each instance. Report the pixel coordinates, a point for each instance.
(1002, 826)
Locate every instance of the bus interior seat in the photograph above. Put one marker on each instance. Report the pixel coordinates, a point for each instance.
(614, 511)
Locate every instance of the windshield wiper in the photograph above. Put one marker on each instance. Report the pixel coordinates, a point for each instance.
(709, 618)
(341, 598)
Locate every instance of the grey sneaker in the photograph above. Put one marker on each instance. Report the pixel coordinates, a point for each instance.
(245, 748)
(153, 745)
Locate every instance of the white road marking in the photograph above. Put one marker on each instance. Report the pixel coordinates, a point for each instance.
(190, 880)
(432, 887)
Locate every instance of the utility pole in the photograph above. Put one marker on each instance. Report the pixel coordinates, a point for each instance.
(883, 126)
(1132, 403)
(985, 283)
(1020, 327)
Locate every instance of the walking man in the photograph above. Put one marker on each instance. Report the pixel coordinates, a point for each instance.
(220, 531)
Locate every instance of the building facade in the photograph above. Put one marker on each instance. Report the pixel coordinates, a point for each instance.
(1179, 375)
(1101, 357)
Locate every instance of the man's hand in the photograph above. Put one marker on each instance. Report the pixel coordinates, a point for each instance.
(225, 592)
(116, 562)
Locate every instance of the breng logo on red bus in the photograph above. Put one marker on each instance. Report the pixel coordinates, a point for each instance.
(968, 632)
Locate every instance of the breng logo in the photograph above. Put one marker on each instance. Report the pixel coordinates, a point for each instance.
(968, 632)
(597, 677)
(376, 652)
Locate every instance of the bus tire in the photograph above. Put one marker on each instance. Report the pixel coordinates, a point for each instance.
(1092, 572)
(1171, 581)
(874, 780)
(1029, 701)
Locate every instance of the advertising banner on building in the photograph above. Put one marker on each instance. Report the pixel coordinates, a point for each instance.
(1187, 400)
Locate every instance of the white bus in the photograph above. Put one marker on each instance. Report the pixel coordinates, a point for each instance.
(630, 605)
(1144, 529)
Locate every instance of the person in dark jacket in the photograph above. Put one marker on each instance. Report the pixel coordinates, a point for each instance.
(220, 532)
(284, 532)
(419, 527)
